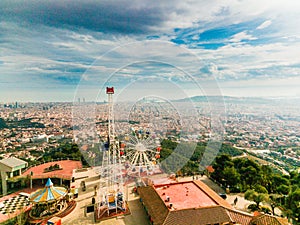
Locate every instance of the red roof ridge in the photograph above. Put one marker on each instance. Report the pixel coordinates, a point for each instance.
(197, 208)
(212, 194)
(238, 211)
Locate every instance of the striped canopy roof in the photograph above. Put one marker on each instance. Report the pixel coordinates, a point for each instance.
(48, 193)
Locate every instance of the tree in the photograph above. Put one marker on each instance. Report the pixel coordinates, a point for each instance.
(221, 162)
(260, 189)
(273, 201)
(228, 149)
(231, 176)
(295, 178)
(278, 180)
(293, 203)
(167, 144)
(266, 175)
(256, 197)
(250, 175)
(249, 171)
(283, 189)
(2, 124)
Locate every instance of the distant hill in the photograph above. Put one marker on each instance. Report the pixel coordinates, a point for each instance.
(226, 99)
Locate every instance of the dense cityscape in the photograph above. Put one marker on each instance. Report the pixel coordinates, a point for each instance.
(149, 113)
(28, 128)
(34, 131)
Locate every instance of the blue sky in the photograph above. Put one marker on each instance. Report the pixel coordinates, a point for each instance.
(50, 49)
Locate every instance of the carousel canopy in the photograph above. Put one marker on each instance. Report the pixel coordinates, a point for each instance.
(48, 193)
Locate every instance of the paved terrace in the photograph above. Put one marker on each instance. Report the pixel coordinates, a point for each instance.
(65, 173)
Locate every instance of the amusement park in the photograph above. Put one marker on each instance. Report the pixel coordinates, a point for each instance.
(57, 188)
(123, 161)
(125, 183)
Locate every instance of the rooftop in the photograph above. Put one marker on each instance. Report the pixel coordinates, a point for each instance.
(201, 206)
(184, 195)
(13, 162)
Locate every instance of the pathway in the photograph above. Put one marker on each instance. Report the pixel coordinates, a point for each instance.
(137, 216)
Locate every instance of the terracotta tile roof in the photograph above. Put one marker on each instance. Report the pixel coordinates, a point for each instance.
(268, 220)
(210, 169)
(283, 221)
(220, 201)
(222, 213)
(239, 217)
(161, 215)
(153, 204)
(198, 216)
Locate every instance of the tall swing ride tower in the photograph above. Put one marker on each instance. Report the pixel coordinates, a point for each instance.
(111, 182)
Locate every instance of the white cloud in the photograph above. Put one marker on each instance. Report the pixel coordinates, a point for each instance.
(41, 49)
(264, 25)
(262, 87)
(242, 36)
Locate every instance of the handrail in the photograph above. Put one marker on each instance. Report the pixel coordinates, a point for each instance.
(40, 176)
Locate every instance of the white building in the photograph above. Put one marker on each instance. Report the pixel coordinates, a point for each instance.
(10, 167)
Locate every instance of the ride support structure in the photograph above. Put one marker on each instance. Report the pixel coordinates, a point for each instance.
(111, 178)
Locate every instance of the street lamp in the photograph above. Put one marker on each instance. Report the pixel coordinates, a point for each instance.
(31, 174)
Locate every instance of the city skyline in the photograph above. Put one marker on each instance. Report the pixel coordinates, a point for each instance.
(247, 48)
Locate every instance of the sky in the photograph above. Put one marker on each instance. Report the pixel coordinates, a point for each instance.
(61, 50)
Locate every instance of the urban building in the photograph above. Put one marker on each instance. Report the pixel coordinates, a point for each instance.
(194, 203)
(10, 168)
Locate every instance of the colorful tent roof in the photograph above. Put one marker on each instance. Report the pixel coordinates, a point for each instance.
(47, 194)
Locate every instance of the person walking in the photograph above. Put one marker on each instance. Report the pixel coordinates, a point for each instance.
(235, 200)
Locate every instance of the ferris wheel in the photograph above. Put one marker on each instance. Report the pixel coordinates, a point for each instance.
(141, 151)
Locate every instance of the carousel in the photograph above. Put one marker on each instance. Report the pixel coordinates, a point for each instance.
(48, 201)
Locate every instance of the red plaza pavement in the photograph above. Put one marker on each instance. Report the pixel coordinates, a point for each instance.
(66, 172)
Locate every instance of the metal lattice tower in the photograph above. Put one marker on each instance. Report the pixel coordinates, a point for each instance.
(111, 182)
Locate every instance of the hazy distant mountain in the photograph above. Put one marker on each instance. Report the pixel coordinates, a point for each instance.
(226, 99)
